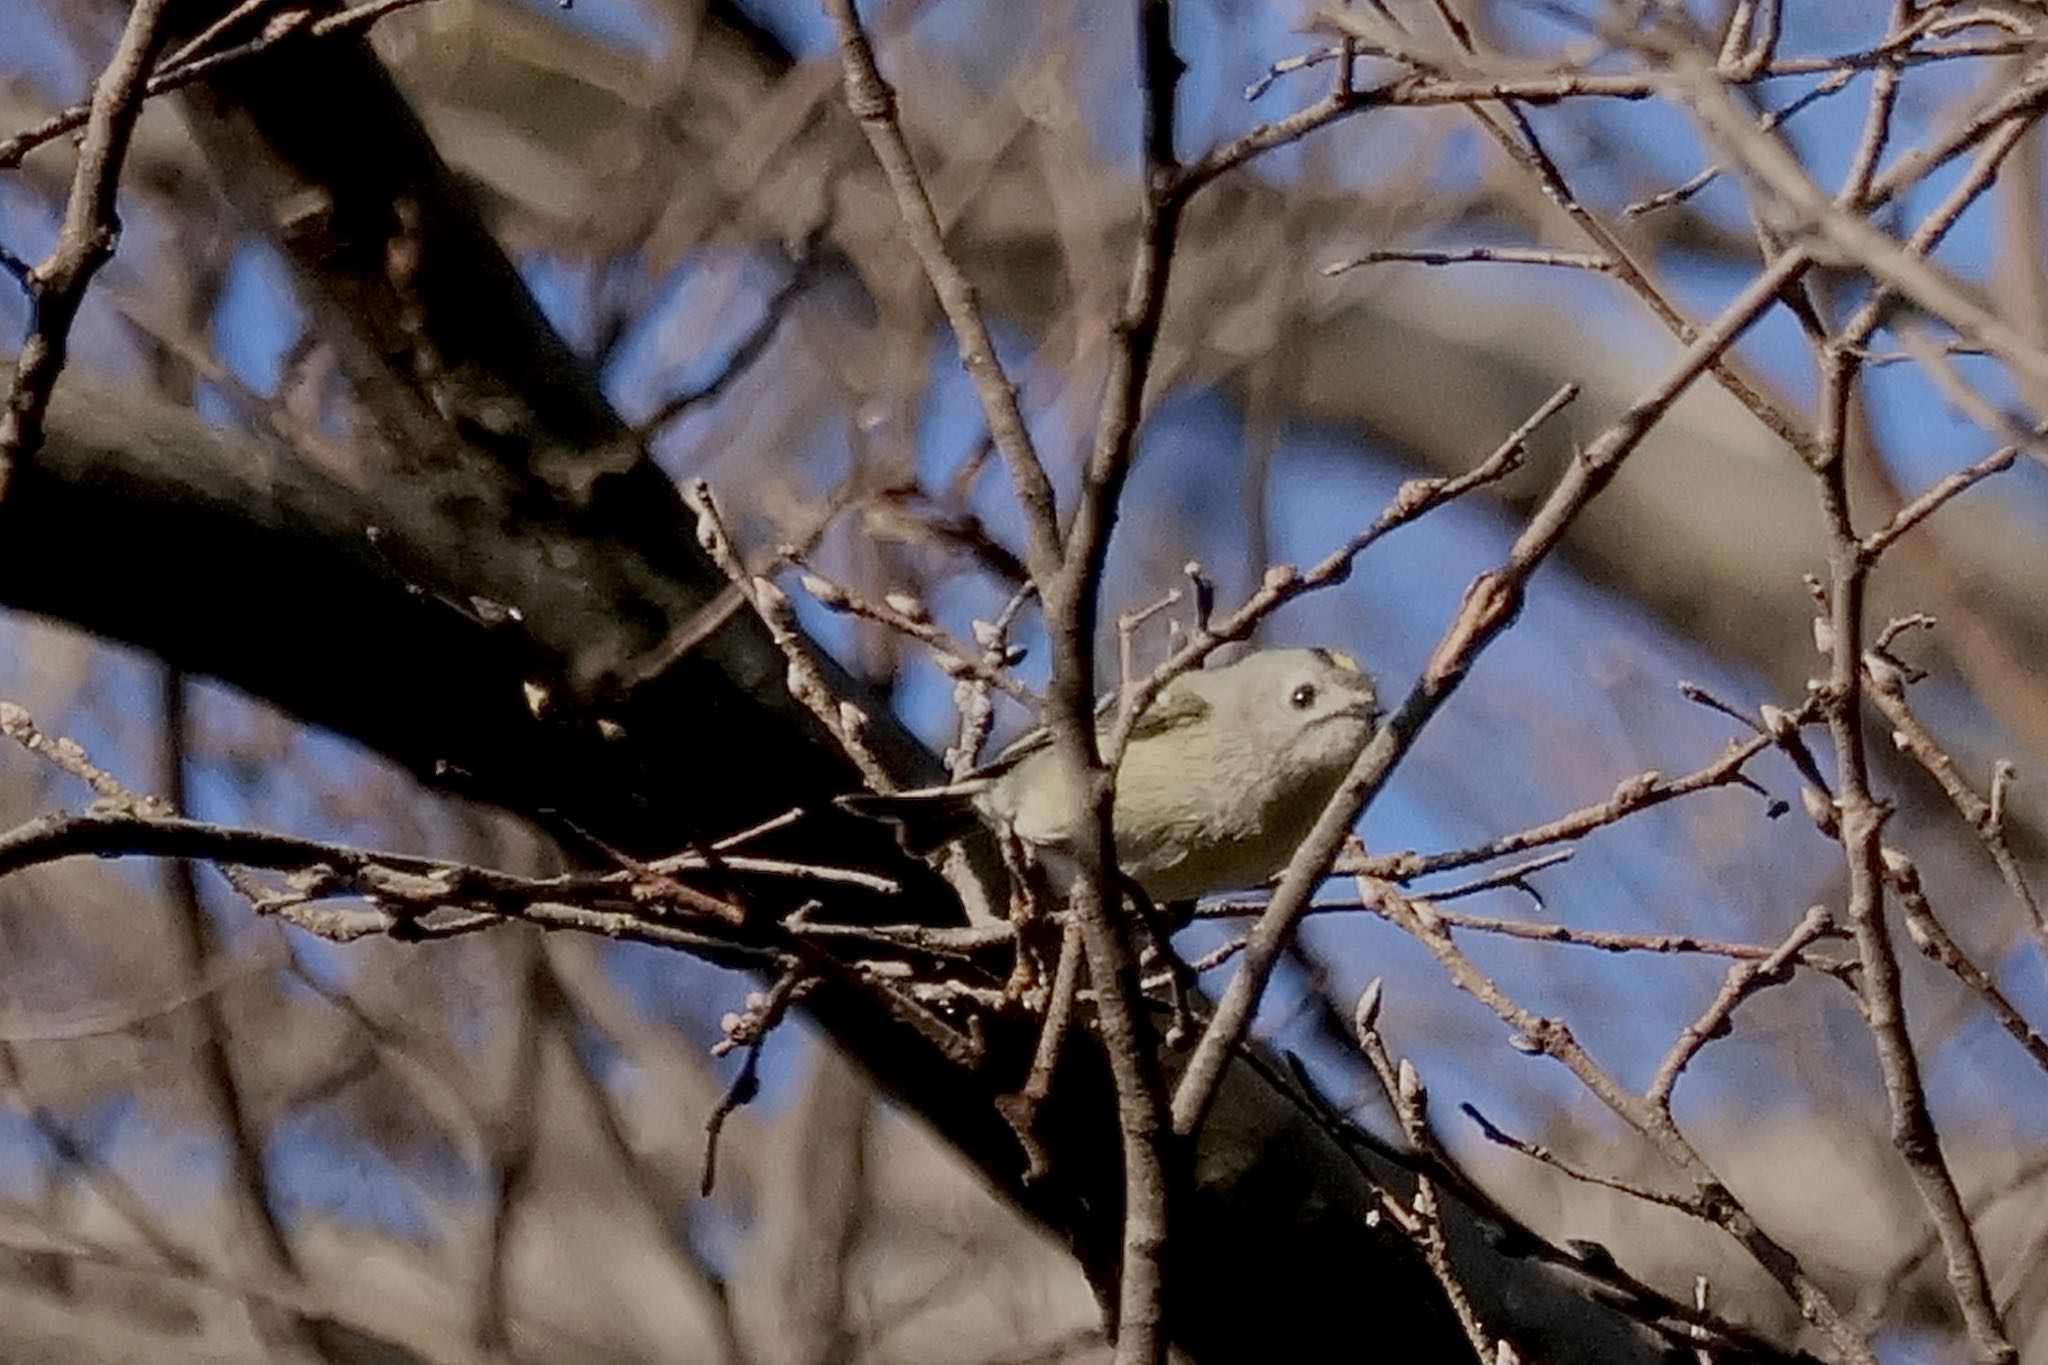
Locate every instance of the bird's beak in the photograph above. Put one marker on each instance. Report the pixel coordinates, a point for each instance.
(1367, 710)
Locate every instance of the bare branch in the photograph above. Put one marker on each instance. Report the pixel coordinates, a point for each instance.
(86, 240)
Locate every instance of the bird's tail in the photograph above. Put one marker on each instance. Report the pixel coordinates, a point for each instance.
(925, 820)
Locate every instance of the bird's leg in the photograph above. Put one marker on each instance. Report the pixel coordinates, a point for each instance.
(1030, 925)
(1159, 952)
(1021, 1108)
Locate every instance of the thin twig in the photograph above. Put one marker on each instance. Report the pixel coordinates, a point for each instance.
(907, 616)
(1935, 942)
(85, 240)
(1887, 692)
(1937, 496)
(973, 698)
(1541, 1154)
(1542, 931)
(1743, 981)
(1500, 255)
(844, 721)
(1632, 795)
(1403, 1088)
(68, 756)
(750, 348)
(289, 27)
(749, 1030)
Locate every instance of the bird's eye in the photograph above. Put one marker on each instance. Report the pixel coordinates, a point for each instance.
(1304, 697)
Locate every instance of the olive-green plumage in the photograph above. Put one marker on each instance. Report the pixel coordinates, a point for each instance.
(1225, 773)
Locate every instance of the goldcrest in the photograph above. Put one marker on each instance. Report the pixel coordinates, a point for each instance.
(1224, 775)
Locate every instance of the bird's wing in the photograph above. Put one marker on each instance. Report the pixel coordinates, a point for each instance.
(1174, 709)
(1171, 710)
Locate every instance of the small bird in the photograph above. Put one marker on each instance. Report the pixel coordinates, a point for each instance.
(1224, 775)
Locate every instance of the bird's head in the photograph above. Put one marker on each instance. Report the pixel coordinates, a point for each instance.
(1311, 710)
